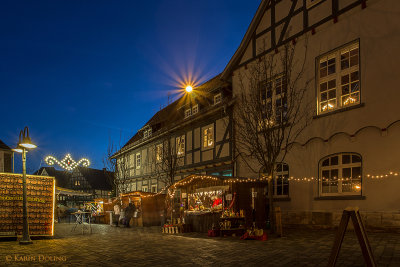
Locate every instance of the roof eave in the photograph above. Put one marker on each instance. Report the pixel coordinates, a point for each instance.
(245, 41)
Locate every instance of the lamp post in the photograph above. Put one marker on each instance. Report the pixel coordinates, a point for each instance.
(24, 144)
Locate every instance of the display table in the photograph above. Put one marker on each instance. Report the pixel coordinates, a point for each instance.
(82, 218)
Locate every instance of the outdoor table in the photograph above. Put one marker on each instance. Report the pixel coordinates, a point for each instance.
(81, 219)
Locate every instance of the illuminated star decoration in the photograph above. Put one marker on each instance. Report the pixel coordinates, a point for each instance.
(67, 163)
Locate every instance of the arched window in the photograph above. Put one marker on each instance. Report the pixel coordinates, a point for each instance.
(340, 174)
(281, 180)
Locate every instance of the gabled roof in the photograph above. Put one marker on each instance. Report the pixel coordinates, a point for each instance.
(4, 146)
(246, 40)
(173, 113)
(62, 177)
(98, 179)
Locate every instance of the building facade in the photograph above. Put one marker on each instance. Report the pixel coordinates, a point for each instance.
(190, 136)
(349, 154)
(6, 158)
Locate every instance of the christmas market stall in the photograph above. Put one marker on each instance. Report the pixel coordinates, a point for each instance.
(96, 208)
(149, 207)
(202, 203)
(40, 198)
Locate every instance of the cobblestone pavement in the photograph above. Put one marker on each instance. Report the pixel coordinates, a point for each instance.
(115, 246)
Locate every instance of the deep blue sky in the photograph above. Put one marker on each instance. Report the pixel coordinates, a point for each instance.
(79, 72)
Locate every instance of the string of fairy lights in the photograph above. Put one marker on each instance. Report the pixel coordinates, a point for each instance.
(195, 178)
(67, 162)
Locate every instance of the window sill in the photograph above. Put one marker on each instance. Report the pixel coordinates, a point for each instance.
(340, 198)
(339, 110)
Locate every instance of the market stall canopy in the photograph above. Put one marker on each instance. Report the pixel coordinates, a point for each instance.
(222, 188)
(70, 192)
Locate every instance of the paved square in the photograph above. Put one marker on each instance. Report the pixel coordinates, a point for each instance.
(112, 246)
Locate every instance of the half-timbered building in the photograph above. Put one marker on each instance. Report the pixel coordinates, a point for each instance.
(349, 154)
(6, 158)
(195, 131)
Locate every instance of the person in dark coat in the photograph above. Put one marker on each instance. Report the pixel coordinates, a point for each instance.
(129, 211)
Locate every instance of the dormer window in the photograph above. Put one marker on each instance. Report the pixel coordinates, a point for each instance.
(147, 133)
(188, 113)
(195, 109)
(217, 98)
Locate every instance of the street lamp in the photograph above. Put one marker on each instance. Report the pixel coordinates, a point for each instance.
(24, 143)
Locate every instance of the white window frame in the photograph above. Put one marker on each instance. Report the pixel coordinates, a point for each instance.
(188, 113)
(138, 160)
(207, 135)
(335, 83)
(195, 109)
(340, 179)
(217, 98)
(180, 145)
(280, 175)
(145, 188)
(271, 99)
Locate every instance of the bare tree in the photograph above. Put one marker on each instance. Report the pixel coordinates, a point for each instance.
(118, 166)
(166, 159)
(271, 112)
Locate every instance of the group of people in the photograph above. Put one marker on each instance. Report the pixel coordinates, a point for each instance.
(123, 216)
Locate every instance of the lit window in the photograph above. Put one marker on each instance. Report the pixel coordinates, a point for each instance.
(159, 152)
(188, 113)
(274, 101)
(154, 189)
(339, 79)
(144, 188)
(280, 183)
(340, 174)
(138, 161)
(180, 145)
(195, 109)
(217, 98)
(208, 137)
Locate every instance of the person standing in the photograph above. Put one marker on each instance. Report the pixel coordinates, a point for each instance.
(117, 212)
(129, 211)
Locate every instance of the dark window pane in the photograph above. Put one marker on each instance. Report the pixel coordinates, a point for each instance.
(325, 175)
(323, 87)
(354, 76)
(356, 173)
(285, 167)
(332, 94)
(346, 159)
(345, 79)
(331, 84)
(353, 61)
(334, 160)
(334, 174)
(325, 162)
(279, 167)
(324, 96)
(345, 90)
(323, 72)
(322, 64)
(331, 69)
(355, 158)
(346, 173)
(331, 61)
(354, 52)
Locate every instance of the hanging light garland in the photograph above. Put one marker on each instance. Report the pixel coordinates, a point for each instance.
(67, 162)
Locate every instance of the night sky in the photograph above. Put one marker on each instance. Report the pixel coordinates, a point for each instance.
(81, 72)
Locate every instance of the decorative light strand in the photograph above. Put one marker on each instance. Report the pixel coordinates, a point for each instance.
(67, 163)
